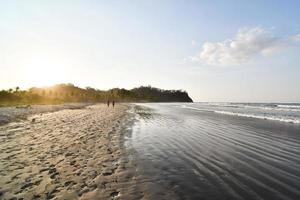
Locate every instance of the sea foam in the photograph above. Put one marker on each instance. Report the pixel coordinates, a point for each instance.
(274, 118)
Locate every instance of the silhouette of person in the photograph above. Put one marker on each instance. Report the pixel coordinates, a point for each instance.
(113, 103)
(108, 103)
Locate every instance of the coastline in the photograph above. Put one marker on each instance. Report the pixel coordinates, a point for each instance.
(69, 154)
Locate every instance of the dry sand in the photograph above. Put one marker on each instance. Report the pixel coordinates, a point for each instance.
(68, 154)
(18, 113)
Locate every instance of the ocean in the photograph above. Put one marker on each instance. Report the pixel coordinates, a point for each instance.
(218, 150)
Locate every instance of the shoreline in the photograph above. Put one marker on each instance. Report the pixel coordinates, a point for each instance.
(69, 154)
(205, 155)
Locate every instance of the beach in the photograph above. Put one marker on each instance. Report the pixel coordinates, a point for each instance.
(152, 151)
(19, 113)
(73, 153)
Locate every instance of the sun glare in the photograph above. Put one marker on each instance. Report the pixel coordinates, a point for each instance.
(42, 73)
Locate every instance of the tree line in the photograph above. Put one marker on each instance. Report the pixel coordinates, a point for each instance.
(67, 93)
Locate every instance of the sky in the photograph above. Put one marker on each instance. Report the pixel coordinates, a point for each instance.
(233, 50)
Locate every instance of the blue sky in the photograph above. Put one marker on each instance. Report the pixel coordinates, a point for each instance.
(216, 50)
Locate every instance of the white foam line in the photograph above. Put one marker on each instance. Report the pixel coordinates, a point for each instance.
(295, 121)
(288, 106)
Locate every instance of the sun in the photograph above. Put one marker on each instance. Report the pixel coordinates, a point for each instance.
(45, 72)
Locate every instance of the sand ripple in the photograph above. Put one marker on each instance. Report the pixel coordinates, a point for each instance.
(204, 155)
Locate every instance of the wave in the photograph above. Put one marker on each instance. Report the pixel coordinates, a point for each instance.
(275, 108)
(256, 106)
(275, 112)
(194, 108)
(289, 106)
(273, 118)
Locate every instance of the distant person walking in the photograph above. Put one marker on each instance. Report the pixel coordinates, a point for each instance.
(108, 103)
(113, 103)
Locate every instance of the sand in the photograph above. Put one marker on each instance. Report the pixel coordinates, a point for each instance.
(17, 113)
(68, 154)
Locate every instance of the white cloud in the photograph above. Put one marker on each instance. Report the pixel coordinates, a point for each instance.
(245, 46)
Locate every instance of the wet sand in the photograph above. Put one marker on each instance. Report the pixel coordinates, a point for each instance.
(68, 154)
(205, 155)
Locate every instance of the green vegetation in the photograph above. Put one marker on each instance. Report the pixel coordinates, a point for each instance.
(68, 93)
